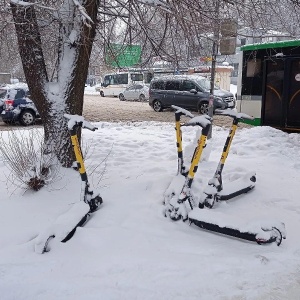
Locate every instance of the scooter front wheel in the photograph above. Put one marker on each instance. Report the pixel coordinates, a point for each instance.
(210, 200)
(95, 203)
(174, 214)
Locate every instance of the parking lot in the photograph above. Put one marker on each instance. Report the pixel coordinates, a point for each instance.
(97, 108)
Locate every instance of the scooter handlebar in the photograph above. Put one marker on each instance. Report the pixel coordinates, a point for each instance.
(76, 120)
(242, 116)
(202, 121)
(89, 126)
(182, 111)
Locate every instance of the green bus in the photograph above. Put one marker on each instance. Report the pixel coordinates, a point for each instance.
(269, 84)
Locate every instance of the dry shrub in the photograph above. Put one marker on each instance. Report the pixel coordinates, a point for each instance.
(23, 153)
(95, 170)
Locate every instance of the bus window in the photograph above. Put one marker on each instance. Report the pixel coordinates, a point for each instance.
(122, 78)
(136, 77)
(115, 79)
(148, 77)
(107, 80)
(253, 67)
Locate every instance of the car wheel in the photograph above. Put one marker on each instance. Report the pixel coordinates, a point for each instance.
(142, 97)
(203, 108)
(157, 106)
(121, 97)
(101, 93)
(27, 117)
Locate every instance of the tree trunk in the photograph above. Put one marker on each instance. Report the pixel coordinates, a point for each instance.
(53, 100)
(30, 48)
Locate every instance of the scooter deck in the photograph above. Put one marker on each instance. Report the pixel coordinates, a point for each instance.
(237, 187)
(232, 189)
(260, 231)
(64, 227)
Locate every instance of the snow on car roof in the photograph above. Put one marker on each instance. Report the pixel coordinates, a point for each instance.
(180, 76)
(19, 85)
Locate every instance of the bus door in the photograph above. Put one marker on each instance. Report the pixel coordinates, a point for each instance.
(281, 96)
(293, 93)
(272, 104)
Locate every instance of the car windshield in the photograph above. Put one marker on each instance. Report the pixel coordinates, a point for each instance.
(205, 84)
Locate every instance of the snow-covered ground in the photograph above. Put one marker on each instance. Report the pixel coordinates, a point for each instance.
(233, 89)
(128, 249)
(91, 90)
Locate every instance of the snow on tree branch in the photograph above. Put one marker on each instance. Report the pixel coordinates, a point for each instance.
(27, 4)
(23, 3)
(155, 2)
(85, 17)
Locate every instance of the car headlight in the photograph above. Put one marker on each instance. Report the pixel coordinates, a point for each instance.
(219, 99)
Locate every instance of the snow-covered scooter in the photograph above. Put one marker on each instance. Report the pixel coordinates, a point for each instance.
(65, 226)
(176, 212)
(178, 113)
(215, 191)
(179, 202)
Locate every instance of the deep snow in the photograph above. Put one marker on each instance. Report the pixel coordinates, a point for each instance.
(129, 250)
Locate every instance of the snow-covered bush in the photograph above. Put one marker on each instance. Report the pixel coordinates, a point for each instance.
(23, 153)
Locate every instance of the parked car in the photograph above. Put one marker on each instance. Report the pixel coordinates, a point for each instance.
(17, 106)
(135, 92)
(2, 95)
(187, 91)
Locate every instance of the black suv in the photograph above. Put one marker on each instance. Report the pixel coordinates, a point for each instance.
(187, 91)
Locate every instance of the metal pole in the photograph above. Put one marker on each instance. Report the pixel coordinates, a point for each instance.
(213, 66)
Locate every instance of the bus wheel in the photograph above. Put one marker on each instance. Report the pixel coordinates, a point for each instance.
(101, 93)
(203, 108)
(157, 105)
(121, 97)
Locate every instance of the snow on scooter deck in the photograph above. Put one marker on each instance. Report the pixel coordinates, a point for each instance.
(63, 228)
(232, 189)
(260, 231)
(238, 187)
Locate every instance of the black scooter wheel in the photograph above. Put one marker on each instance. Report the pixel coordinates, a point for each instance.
(174, 215)
(175, 218)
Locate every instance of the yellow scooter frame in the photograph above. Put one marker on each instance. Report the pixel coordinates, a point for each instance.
(173, 209)
(216, 192)
(87, 194)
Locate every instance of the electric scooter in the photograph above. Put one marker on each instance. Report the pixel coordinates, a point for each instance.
(182, 205)
(215, 191)
(65, 225)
